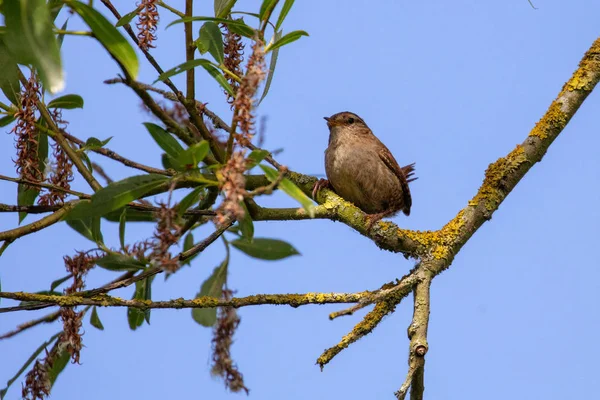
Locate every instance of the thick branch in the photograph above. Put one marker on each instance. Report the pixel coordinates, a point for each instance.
(417, 333)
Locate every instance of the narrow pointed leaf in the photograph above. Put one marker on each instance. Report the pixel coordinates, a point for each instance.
(95, 143)
(191, 156)
(188, 243)
(200, 62)
(122, 222)
(109, 36)
(127, 18)
(26, 196)
(96, 231)
(117, 195)
(255, 157)
(265, 249)
(286, 39)
(59, 365)
(240, 27)
(82, 226)
(284, 12)
(59, 282)
(212, 287)
(7, 120)
(119, 262)
(67, 102)
(164, 139)
(266, 7)
(291, 190)
(189, 200)
(223, 7)
(95, 320)
(246, 225)
(272, 65)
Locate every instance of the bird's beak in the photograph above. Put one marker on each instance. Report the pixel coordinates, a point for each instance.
(329, 122)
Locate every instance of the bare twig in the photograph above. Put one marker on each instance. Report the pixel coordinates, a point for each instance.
(45, 185)
(205, 243)
(30, 324)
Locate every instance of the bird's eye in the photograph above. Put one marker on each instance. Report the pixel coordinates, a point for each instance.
(351, 120)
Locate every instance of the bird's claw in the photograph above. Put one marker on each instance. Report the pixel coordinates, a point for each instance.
(320, 184)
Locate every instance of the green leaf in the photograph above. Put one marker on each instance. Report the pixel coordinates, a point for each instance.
(238, 26)
(109, 37)
(223, 7)
(82, 226)
(96, 231)
(272, 65)
(284, 12)
(26, 196)
(188, 243)
(7, 120)
(255, 157)
(94, 143)
(200, 62)
(286, 39)
(212, 287)
(246, 225)
(189, 200)
(61, 37)
(59, 282)
(211, 39)
(191, 156)
(67, 102)
(119, 262)
(291, 190)
(60, 362)
(127, 18)
(30, 39)
(122, 222)
(265, 249)
(164, 139)
(132, 215)
(9, 78)
(30, 360)
(87, 161)
(143, 291)
(117, 195)
(95, 320)
(266, 7)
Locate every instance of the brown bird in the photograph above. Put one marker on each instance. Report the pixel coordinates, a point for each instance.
(363, 171)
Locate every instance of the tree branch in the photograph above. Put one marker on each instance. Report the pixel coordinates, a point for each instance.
(103, 300)
(417, 333)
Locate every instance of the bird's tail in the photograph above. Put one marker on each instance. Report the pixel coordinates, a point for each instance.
(409, 171)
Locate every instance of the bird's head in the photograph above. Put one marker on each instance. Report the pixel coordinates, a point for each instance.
(345, 120)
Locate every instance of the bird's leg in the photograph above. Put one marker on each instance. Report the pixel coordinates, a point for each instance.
(320, 184)
(373, 218)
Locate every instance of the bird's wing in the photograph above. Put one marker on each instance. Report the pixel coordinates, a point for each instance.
(389, 160)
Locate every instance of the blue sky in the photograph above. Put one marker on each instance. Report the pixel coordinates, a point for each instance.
(451, 86)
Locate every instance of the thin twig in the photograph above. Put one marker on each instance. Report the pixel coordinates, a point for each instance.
(30, 324)
(205, 243)
(45, 185)
(125, 161)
